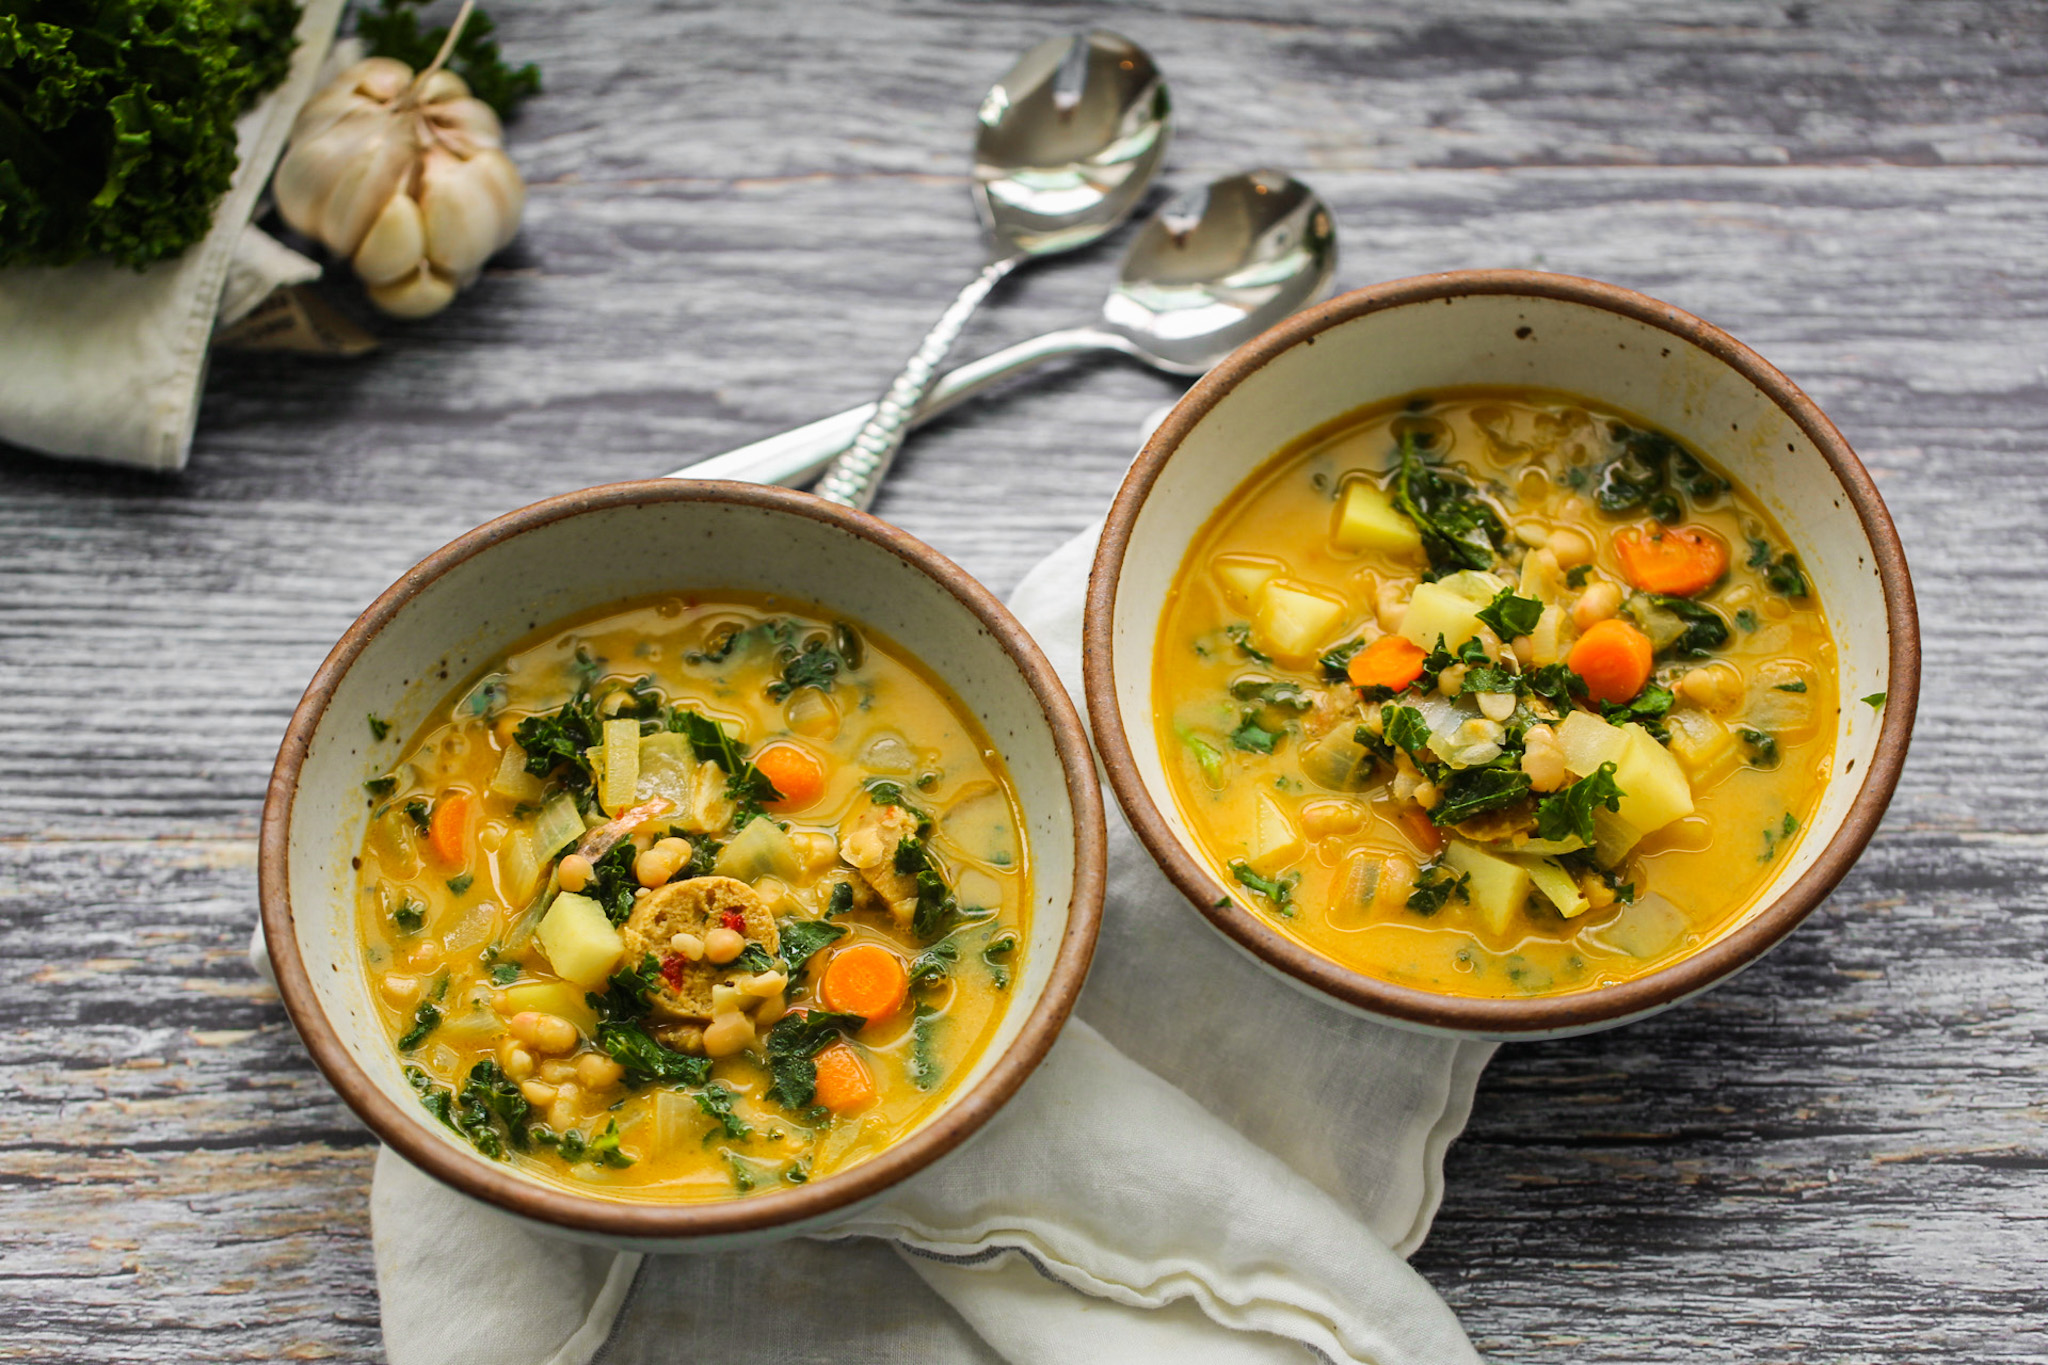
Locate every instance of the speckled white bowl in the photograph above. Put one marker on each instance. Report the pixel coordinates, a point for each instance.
(1546, 331)
(478, 595)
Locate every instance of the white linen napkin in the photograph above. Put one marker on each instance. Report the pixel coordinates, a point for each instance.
(1225, 1169)
(104, 362)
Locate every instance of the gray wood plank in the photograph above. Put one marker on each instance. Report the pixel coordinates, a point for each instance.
(740, 217)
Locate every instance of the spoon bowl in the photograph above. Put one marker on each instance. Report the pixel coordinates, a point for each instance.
(1070, 138)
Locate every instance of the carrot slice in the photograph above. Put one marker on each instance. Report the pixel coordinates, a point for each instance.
(1392, 662)
(843, 1080)
(796, 772)
(1676, 561)
(1422, 830)
(1614, 659)
(448, 828)
(865, 979)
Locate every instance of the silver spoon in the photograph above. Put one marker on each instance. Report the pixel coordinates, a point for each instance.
(1070, 138)
(1210, 271)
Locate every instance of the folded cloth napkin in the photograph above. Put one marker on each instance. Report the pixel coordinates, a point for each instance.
(106, 363)
(1225, 1169)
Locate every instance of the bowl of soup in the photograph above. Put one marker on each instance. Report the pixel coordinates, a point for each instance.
(1501, 653)
(679, 863)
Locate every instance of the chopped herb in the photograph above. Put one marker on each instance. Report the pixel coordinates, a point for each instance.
(1569, 813)
(934, 963)
(461, 882)
(1277, 890)
(1637, 475)
(1763, 748)
(1207, 757)
(802, 938)
(1511, 616)
(704, 852)
(378, 728)
(409, 916)
(1875, 701)
(1434, 887)
(381, 787)
(1241, 635)
(1782, 573)
(884, 791)
(1475, 791)
(1648, 709)
(818, 664)
(1796, 685)
(604, 1148)
(924, 1028)
(1577, 574)
(1003, 945)
(1471, 654)
(716, 1102)
(1254, 738)
(1705, 629)
(1404, 725)
(1490, 679)
(504, 973)
(1459, 531)
(425, 1020)
(744, 1174)
(793, 1044)
(1746, 619)
(555, 741)
(419, 813)
(624, 998)
(1788, 825)
(1287, 696)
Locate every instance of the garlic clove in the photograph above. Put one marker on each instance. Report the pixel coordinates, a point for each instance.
(444, 85)
(466, 125)
(395, 245)
(459, 202)
(365, 184)
(307, 175)
(496, 170)
(420, 294)
(382, 79)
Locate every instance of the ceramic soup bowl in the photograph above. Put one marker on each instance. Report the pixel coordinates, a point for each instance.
(1511, 328)
(473, 599)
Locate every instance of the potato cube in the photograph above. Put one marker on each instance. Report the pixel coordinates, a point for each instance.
(1242, 576)
(1368, 520)
(580, 942)
(1497, 888)
(551, 997)
(1275, 842)
(1294, 621)
(1589, 741)
(1435, 611)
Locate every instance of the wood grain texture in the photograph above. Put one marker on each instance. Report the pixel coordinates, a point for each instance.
(741, 217)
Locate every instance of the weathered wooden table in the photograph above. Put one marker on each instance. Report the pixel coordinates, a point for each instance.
(740, 218)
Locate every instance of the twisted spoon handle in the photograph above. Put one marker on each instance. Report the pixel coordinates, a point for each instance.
(856, 476)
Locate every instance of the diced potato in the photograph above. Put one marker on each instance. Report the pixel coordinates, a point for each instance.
(1654, 791)
(1274, 842)
(518, 869)
(1589, 741)
(1498, 887)
(580, 942)
(1557, 886)
(1242, 576)
(621, 765)
(551, 997)
(759, 850)
(1436, 611)
(512, 779)
(1703, 746)
(1474, 585)
(1294, 622)
(1368, 520)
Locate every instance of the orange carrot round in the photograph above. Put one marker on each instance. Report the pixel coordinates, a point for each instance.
(865, 979)
(796, 772)
(1392, 662)
(1676, 561)
(843, 1080)
(1422, 830)
(448, 827)
(1614, 659)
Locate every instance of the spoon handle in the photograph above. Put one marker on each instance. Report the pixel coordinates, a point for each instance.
(799, 455)
(856, 476)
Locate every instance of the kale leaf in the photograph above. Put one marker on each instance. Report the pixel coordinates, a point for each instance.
(1252, 737)
(1569, 813)
(818, 663)
(716, 1102)
(934, 963)
(555, 741)
(1277, 890)
(802, 938)
(1434, 887)
(747, 785)
(612, 881)
(1459, 531)
(793, 1044)
(1475, 791)
(924, 1027)
(1241, 635)
(936, 905)
(645, 1060)
(425, 1020)
(1336, 662)
(1511, 616)
(1002, 945)
(1404, 725)
(1556, 684)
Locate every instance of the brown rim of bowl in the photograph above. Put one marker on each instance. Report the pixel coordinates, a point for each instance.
(1541, 1014)
(408, 1131)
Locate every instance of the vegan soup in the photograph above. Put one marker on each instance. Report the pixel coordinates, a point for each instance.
(695, 897)
(1495, 693)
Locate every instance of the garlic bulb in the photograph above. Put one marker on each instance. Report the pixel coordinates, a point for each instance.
(405, 176)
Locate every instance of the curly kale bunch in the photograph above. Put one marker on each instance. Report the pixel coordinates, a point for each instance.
(117, 120)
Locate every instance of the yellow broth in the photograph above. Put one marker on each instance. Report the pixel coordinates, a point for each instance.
(1334, 854)
(451, 942)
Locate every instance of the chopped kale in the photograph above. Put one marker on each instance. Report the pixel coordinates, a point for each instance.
(1747, 621)
(419, 812)
(704, 852)
(747, 785)
(1278, 891)
(604, 1148)
(1207, 757)
(1252, 737)
(1459, 531)
(885, 791)
(1705, 629)
(1556, 684)
(793, 1044)
(802, 938)
(1577, 574)
(625, 996)
(936, 906)
(381, 787)
(409, 916)
(1404, 726)
(716, 1102)
(1511, 616)
(1763, 747)
(1475, 791)
(1336, 662)
(645, 1060)
(1796, 685)
(818, 663)
(504, 973)
(612, 882)
(1569, 813)
(1241, 635)
(1286, 696)
(1001, 946)
(378, 727)
(1876, 700)
(1471, 654)
(1648, 709)
(1435, 885)
(1637, 474)
(488, 697)
(490, 1094)
(461, 883)
(934, 964)
(753, 958)
(1782, 573)
(425, 1020)
(924, 1027)
(840, 902)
